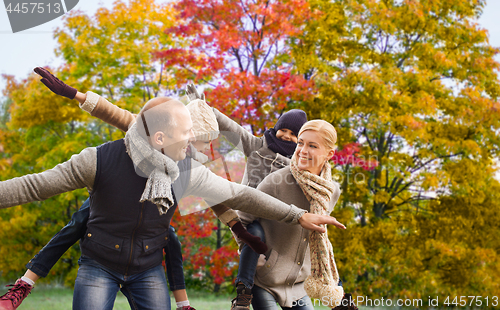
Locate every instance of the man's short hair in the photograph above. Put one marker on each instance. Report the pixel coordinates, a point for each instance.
(156, 115)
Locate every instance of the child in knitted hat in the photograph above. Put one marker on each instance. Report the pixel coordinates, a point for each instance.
(282, 138)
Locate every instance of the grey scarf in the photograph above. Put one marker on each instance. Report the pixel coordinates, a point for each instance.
(160, 170)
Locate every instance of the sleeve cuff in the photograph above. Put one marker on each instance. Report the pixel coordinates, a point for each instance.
(90, 103)
(296, 213)
(228, 216)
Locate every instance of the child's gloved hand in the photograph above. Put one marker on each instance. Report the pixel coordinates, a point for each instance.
(254, 242)
(192, 93)
(57, 86)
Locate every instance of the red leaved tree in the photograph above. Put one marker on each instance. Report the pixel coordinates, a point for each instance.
(238, 50)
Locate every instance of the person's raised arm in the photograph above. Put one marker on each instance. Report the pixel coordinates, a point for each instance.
(78, 172)
(214, 189)
(249, 142)
(90, 102)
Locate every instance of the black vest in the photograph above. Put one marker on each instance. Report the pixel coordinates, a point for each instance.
(123, 234)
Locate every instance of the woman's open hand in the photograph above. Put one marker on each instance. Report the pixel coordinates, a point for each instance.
(312, 221)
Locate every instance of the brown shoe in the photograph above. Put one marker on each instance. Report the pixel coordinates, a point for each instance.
(347, 303)
(15, 295)
(243, 299)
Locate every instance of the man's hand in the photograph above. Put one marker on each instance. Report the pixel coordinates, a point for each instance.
(312, 221)
(57, 86)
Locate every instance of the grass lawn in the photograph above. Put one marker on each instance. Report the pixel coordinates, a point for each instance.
(60, 298)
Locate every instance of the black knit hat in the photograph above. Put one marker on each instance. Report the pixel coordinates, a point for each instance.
(293, 120)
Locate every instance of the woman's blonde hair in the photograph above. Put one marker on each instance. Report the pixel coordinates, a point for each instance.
(325, 129)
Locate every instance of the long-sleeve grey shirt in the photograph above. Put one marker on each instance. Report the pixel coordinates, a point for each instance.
(80, 170)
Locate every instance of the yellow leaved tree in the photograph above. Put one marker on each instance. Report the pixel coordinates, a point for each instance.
(415, 85)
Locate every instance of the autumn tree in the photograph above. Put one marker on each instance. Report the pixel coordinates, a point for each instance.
(238, 51)
(112, 51)
(109, 53)
(414, 82)
(415, 85)
(35, 139)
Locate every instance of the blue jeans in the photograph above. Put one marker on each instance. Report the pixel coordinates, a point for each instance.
(249, 258)
(75, 230)
(263, 300)
(96, 287)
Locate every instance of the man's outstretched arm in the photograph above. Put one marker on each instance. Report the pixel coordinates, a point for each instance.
(78, 172)
(214, 189)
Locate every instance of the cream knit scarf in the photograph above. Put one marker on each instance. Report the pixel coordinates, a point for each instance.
(324, 278)
(160, 170)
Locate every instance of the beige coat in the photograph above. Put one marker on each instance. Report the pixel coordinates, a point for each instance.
(288, 262)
